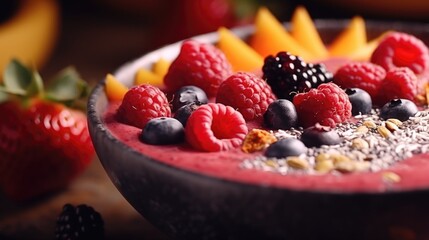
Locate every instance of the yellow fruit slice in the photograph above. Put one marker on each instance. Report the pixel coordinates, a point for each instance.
(352, 38)
(241, 56)
(145, 76)
(271, 37)
(115, 90)
(364, 53)
(31, 34)
(161, 66)
(304, 31)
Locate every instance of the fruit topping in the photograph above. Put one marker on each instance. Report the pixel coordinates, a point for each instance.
(142, 103)
(247, 93)
(288, 74)
(163, 131)
(215, 127)
(401, 109)
(182, 114)
(326, 105)
(198, 64)
(318, 135)
(399, 49)
(186, 95)
(398, 83)
(115, 90)
(80, 222)
(364, 75)
(351, 39)
(257, 140)
(285, 147)
(281, 114)
(360, 100)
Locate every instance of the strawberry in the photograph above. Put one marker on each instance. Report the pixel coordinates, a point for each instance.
(44, 143)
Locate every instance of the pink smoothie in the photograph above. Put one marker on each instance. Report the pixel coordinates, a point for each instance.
(226, 165)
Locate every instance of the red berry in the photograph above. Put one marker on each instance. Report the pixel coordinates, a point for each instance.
(247, 93)
(364, 75)
(198, 64)
(399, 83)
(326, 105)
(401, 50)
(141, 104)
(215, 127)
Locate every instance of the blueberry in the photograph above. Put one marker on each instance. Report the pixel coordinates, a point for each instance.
(401, 109)
(186, 95)
(281, 114)
(162, 131)
(360, 100)
(286, 147)
(183, 113)
(319, 135)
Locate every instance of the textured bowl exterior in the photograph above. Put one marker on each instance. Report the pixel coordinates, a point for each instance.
(189, 205)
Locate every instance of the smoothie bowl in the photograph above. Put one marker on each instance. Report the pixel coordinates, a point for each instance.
(190, 193)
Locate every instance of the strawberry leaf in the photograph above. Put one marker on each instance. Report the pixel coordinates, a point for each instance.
(3, 97)
(17, 78)
(36, 85)
(67, 86)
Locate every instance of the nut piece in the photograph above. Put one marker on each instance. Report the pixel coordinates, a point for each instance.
(362, 129)
(257, 140)
(391, 126)
(395, 121)
(324, 166)
(339, 158)
(345, 167)
(384, 131)
(370, 124)
(322, 157)
(391, 177)
(297, 162)
(359, 144)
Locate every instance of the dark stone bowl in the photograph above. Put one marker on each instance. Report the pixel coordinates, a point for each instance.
(189, 205)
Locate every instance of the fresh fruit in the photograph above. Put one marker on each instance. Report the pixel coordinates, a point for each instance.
(145, 76)
(398, 83)
(326, 105)
(285, 148)
(186, 95)
(271, 37)
(241, 56)
(352, 38)
(401, 50)
(115, 90)
(360, 100)
(198, 64)
(160, 67)
(183, 113)
(142, 103)
(304, 31)
(318, 135)
(163, 131)
(288, 74)
(247, 93)
(44, 142)
(281, 114)
(215, 127)
(364, 75)
(79, 222)
(30, 35)
(364, 53)
(401, 109)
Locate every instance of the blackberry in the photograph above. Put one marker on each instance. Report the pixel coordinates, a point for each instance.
(80, 222)
(288, 74)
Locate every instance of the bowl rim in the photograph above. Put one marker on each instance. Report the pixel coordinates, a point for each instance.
(95, 118)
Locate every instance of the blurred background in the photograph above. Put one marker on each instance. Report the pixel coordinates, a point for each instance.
(97, 36)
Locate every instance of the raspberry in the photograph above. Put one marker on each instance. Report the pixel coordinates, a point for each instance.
(401, 50)
(215, 127)
(364, 75)
(288, 74)
(198, 64)
(399, 83)
(326, 105)
(142, 103)
(247, 93)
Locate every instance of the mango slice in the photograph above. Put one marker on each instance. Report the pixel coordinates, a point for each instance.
(352, 38)
(364, 53)
(160, 67)
(115, 90)
(145, 76)
(271, 37)
(241, 56)
(305, 32)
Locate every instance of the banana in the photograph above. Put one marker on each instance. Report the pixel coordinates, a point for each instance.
(30, 35)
